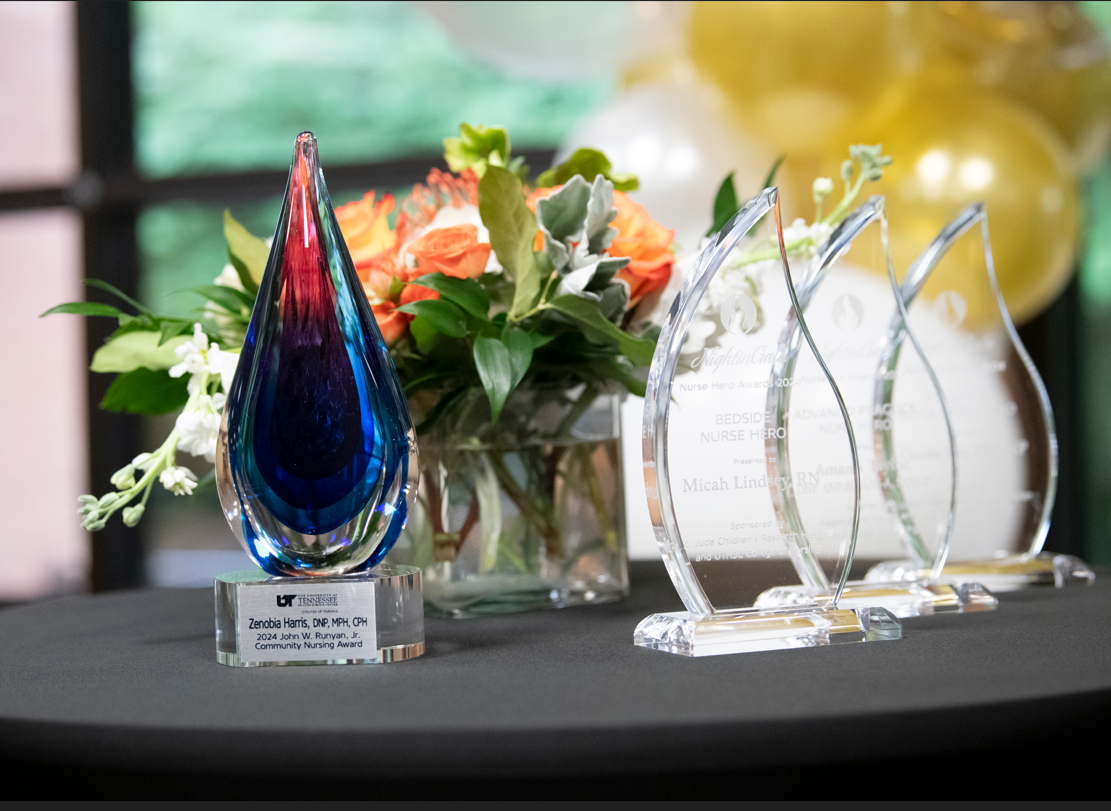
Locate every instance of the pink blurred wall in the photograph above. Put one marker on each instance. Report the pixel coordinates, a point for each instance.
(43, 465)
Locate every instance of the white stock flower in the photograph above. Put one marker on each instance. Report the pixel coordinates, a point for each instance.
(178, 480)
(191, 354)
(199, 426)
(822, 188)
(229, 277)
(222, 363)
(198, 356)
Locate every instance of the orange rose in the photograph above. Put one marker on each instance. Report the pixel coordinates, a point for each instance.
(414, 292)
(376, 285)
(391, 323)
(530, 201)
(646, 243)
(453, 251)
(366, 230)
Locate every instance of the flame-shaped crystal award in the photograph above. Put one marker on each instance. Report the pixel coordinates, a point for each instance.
(718, 469)
(316, 458)
(1006, 448)
(900, 423)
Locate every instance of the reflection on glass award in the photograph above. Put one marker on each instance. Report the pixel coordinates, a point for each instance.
(899, 421)
(718, 469)
(1006, 448)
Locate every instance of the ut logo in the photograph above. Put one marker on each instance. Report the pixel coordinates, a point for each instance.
(285, 600)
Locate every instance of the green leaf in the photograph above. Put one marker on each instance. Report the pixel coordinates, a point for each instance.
(84, 308)
(251, 250)
(519, 344)
(477, 148)
(134, 350)
(424, 333)
(496, 371)
(145, 391)
(171, 328)
(115, 291)
(773, 171)
(725, 204)
(598, 328)
(242, 272)
(232, 300)
(616, 370)
(443, 315)
(467, 293)
(538, 339)
(589, 163)
(512, 227)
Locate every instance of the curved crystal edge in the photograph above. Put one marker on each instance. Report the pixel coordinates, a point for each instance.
(999, 574)
(751, 631)
(916, 277)
(657, 399)
(899, 598)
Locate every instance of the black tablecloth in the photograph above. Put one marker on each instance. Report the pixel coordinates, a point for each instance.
(121, 693)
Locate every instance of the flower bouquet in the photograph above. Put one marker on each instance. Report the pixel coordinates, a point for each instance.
(510, 309)
(516, 314)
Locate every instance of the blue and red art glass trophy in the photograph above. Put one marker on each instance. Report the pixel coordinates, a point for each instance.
(317, 461)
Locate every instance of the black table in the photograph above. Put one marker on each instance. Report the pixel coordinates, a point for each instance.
(120, 694)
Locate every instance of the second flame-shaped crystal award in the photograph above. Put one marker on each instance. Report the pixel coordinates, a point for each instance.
(316, 459)
(899, 418)
(1006, 448)
(739, 502)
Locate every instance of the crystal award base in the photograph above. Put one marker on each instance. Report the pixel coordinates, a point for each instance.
(1004, 573)
(900, 598)
(365, 618)
(750, 630)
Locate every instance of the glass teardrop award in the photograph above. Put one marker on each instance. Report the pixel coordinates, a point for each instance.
(1006, 447)
(899, 421)
(316, 458)
(740, 504)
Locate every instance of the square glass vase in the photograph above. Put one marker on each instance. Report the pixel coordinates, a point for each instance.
(525, 513)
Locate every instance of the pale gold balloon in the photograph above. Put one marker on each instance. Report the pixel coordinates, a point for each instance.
(952, 147)
(1047, 56)
(798, 71)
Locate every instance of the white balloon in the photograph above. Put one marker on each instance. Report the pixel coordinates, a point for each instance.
(560, 40)
(680, 149)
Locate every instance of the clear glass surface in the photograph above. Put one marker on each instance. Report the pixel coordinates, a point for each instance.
(316, 458)
(899, 418)
(1006, 447)
(736, 505)
(526, 513)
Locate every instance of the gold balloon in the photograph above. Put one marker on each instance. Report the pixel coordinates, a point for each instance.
(1047, 56)
(796, 72)
(951, 147)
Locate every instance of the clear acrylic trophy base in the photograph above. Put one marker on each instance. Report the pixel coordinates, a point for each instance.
(1002, 573)
(751, 630)
(366, 618)
(900, 598)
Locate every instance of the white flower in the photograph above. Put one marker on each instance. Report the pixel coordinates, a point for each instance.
(818, 233)
(446, 217)
(199, 426)
(197, 357)
(144, 460)
(178, 480)
(192, 354)
(822, 188)
(228, 277)
(222, 363)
